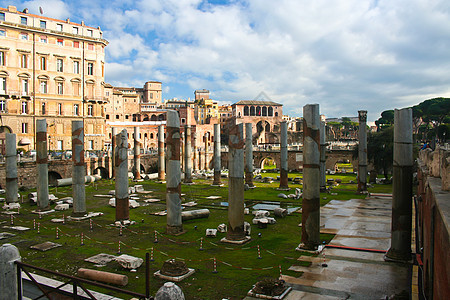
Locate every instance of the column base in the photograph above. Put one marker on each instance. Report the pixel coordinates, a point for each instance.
(397, 257)
(188, 183)
(217, 184)
(78, 214)
(308, 248)
(236, 242)
(283, 188)
(175, 230)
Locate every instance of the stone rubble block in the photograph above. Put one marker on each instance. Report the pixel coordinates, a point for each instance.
(139, 188)
(211, 232)
(261, 213)
(64, 206)
(266, 220)
(11, 206)
(129, 262)
(222, 228)
(247, 228)
(133, 204)
(281, 195)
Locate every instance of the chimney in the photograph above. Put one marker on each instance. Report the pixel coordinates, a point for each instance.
(12, 8)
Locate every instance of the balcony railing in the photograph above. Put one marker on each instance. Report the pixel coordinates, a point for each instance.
(95, 99)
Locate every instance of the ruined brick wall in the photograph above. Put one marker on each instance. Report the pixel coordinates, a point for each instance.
(433, 222)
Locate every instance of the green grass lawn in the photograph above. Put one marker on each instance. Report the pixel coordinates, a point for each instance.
(238, 266)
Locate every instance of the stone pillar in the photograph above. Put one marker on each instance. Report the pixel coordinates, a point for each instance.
(323, 148)
(78, 169)
(9, 287)
(311, 178)
(42, 164)
(195, 153)
(217, 165)
(402, 187)
(187, 155)
(11, 168)
(236, 233)
(248, 155)
(137, 154)
(161, 159)
(121, 166)
(206, 151)
(113, 149)
(362, 151)
(284, 157)
(173, 178)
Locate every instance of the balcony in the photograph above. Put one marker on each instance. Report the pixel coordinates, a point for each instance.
(95, 99)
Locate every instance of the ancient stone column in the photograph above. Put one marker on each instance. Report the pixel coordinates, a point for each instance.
(402, 187)
(78, 169)
(284, 157)
(248, 155)
(173, 178)
(187, 155)
(11, 168)
(362, 151)
(137, 154)
(235, 233)
(161, 159)
(195, 153)
(9, 285)
(217, 165)
(311, 178)
(323, 148)
(113, 149)
(121, 166)
(42, 164)
(206, 152)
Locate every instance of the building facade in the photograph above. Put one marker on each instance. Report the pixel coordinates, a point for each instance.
(50, 69)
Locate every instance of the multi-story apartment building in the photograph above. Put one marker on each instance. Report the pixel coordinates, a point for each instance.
(205, 108)
(50, 69)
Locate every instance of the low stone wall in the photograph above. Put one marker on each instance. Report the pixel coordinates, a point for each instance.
(433, 222)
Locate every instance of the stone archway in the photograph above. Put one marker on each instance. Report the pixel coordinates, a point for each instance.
(268, 163)
(53, 177)
(103, 172)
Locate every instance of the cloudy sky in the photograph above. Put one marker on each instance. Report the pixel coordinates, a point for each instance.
(346, 55)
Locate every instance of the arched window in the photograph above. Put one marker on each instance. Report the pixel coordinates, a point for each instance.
(151, 135)
(270, 111)
(267, 127)
(276, 114)
(264, 111)
(152, 118)
(246, 112)
(252, 110)
(258, 110)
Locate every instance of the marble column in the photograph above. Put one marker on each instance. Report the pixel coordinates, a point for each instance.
(400, 249)
(121, 166)
(323, 148)
(217, 162)
(137, 154)
(113, 149)
(161, 159)
(311, 178)
(236, 233)
(11, 168)
(187, 155)
(42, 164)
(249, 155)
(9, 279)
(362, 151)
(173, 178)
(78, 169)
(284, 157)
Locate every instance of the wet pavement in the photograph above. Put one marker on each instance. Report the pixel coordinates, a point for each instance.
(351, 274)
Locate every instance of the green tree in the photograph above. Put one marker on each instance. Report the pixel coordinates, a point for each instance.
(380, 150)
(386, 119)
(432, 113)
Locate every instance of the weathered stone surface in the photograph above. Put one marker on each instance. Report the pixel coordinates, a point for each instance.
(10, 206)
(45, 246)
(281, 195)
(5, 235)
(261, 213)
(169, 291)
(134, 204)
(101, 259)
(129, 262)
(280, 212)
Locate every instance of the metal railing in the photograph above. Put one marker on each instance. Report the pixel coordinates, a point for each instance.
(76, 283)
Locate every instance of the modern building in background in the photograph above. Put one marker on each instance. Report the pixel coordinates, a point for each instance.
(50, 69)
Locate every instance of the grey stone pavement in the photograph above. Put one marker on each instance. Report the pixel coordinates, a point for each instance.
(350, 274)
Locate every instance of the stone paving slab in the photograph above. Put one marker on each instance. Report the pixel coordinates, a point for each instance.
(45, 246)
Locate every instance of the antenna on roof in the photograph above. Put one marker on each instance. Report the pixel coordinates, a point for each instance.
(41, 10)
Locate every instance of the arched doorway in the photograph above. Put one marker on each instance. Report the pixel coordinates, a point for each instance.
(52, 177)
